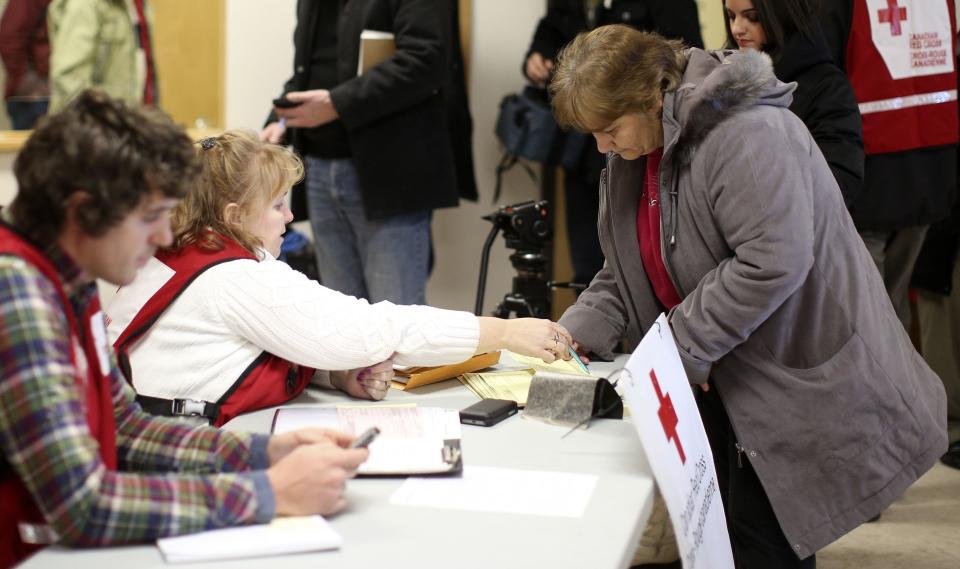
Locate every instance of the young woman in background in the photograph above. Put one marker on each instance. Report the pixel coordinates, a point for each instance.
(788, 31)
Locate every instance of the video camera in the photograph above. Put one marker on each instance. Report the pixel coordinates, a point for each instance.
(525, 226)
(527, 230)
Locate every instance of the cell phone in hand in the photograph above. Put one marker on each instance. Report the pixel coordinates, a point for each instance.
(365, 438)
(285, 103)
(488, 412)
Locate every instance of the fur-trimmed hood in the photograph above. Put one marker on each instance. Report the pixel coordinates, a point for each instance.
(717, 85)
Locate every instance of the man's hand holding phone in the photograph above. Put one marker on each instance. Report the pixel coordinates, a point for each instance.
(307, 108)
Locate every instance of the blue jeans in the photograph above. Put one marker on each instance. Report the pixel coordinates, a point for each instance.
(380, 259)
(24, 113)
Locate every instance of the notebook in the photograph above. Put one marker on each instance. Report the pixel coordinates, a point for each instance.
(375, 48)
(283, 535)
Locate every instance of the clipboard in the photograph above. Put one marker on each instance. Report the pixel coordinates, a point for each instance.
(410, 378)
(421, 441)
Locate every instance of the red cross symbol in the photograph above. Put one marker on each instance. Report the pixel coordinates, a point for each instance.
(893, 15)
(668, 417)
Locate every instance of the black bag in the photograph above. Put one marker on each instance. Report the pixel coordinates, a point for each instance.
(527, 129)
(297, 251)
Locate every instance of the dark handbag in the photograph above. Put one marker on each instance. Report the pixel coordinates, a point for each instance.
(527, 129)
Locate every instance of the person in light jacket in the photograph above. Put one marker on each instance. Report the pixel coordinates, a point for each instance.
(718, 207)
(102, 44)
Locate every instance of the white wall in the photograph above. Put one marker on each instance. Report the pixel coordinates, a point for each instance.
(259, 57)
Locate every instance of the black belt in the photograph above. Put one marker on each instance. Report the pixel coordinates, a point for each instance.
(179, 407)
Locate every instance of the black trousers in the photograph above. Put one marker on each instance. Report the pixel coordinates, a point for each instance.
(582, 194)
(755, 534)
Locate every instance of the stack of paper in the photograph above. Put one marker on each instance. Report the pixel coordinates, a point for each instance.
(283, 535)
(514, 384)
(511, 385)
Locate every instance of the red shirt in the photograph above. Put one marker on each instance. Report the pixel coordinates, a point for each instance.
(648, 234)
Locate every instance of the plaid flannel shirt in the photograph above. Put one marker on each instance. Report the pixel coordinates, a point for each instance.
(172, 478)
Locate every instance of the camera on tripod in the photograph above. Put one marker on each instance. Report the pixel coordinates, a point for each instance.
(525, 226)
(527, 230)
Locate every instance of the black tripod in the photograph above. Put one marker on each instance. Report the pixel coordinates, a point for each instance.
(526, 228)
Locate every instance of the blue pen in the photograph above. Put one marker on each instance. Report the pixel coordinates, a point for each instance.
(577, 358)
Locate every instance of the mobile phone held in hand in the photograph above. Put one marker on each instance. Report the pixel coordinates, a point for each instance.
(285, 103)
(488, 412)
(365, 438)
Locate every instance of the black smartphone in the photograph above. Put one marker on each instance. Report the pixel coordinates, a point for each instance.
(488, 412)
(285, 103)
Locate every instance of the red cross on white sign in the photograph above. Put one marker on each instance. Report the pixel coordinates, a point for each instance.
(668, 417)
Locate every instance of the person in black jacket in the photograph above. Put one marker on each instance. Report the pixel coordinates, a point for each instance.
(382, 149)
(824, 100)
(676, 19)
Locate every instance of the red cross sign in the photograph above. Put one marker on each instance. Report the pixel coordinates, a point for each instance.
(668, 417)
(893, 15)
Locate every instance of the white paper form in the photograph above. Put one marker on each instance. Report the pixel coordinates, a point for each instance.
(283, 535)
(401, 422)
(502, 490)
(412, 439)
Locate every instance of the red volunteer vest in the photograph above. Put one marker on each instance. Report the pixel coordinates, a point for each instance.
(18, 504)
(901, 63)
(268, 380)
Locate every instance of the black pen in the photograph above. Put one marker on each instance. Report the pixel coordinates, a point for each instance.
(365, 438)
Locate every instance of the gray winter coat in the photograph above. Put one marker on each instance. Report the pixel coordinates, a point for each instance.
(782, 307)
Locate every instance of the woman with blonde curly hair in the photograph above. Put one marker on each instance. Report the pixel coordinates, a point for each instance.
(216, 326)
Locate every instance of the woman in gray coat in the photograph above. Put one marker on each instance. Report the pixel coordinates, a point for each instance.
(718, 207)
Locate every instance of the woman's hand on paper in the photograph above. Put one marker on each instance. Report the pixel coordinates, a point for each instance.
(313, 477)
(544, 339)
(367, 383)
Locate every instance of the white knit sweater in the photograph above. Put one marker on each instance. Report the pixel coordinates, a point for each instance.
(235, 310)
